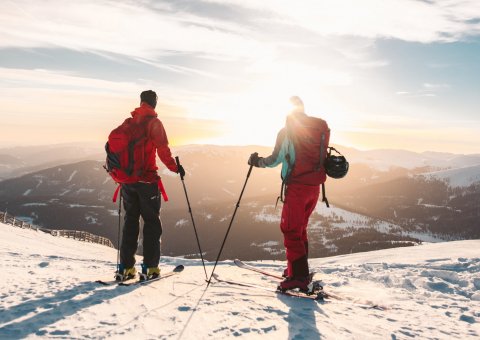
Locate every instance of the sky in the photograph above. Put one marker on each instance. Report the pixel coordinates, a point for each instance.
(396, 74)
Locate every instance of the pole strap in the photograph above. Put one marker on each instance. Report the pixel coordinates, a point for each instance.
(115, 193)
(161, 188)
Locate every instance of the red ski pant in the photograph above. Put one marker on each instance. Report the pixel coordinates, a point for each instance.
(300, 201)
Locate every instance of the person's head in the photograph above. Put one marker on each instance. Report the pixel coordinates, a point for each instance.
(149, 97)
(297, 104)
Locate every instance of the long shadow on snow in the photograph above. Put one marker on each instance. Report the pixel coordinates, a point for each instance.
(58, 307)
(301, 318)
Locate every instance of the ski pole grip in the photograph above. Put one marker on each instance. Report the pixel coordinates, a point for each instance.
(177, 160)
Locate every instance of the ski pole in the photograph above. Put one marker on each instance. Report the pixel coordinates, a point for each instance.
(118, 237)
(230, 225)
(193, 221)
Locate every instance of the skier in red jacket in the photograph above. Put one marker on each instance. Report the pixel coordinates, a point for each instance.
(141, 194)
(301, 147)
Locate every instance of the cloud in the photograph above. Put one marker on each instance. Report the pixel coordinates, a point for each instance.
(434, 87)
(329, 38)
(407, 20)
(62, 81)
(123, 27)
(374, 64)
(149, 29)
(427, 90)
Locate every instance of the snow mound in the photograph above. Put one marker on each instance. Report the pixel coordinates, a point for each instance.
(48, 291)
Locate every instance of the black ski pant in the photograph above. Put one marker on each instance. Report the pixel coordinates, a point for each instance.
(141, 199)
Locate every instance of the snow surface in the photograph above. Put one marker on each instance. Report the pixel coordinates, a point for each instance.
(47, 291)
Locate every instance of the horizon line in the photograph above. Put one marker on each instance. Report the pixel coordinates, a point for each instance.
(100, 146)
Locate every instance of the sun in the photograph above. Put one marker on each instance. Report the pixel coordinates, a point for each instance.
(254, 116)
(250, 118)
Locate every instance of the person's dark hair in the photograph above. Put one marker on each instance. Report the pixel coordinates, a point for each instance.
(149, 97)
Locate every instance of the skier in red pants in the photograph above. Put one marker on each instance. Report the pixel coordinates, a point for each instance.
(301, 147)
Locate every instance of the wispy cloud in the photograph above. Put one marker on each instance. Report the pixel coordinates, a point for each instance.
(39, 78)
(123, 27)
(434, 87)
(426, 90)
(407, 20)
(149, 29)
(374, 64)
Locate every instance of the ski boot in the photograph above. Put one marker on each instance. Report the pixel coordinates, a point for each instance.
(149, 273)
(305, 285)
(124, 274)
(293, 283)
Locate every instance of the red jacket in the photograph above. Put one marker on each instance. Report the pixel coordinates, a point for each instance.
(157, 143)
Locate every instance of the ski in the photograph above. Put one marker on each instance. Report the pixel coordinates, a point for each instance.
(113, 282)
(325, 294)
(316, 285)
(176, 270)
(318, 295)
(136, 281)
(243, 265)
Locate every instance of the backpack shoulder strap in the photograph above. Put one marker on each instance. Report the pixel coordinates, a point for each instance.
(324, 196)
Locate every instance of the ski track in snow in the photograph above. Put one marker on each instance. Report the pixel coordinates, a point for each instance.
(47, 291)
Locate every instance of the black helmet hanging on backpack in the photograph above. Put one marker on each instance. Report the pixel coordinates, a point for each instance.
(336, 166)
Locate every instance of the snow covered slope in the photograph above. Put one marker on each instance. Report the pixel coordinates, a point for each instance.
(383, 159)
(459, 177)
(47, 291)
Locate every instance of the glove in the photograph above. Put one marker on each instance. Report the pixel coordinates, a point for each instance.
(253, 160)
(181, 171)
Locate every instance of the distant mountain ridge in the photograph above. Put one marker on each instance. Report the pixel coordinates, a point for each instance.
(27, 159)
(383, 159)
(17, 161)
(399, 205)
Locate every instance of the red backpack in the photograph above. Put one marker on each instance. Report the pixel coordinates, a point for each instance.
(126, 151)
(310, 137)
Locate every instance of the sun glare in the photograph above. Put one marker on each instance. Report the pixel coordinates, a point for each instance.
(252, 117)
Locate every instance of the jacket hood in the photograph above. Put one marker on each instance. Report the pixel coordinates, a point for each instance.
(144, 110)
